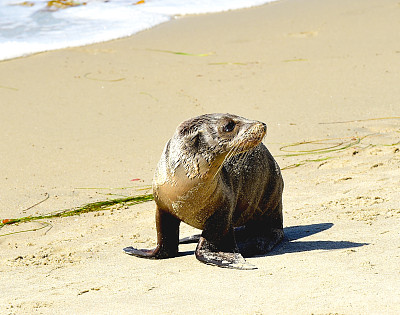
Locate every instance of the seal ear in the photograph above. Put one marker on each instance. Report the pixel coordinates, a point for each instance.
(195, 140)
(192, 156)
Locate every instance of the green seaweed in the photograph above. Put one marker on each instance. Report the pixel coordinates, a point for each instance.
(90, 207)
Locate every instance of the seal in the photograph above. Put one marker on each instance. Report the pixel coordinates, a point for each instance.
(216, 175)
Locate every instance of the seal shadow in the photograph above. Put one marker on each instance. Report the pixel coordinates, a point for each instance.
(289, 244)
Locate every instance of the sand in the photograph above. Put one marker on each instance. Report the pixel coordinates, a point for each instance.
(79, 123)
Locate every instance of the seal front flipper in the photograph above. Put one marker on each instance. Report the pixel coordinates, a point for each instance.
(217, 245)
(167, 238)
(207, 254)
(156, 253)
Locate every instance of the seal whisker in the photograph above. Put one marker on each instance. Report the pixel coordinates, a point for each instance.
(232, 152)
(243, 158)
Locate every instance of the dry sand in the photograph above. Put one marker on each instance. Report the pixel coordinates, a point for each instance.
(98, 117)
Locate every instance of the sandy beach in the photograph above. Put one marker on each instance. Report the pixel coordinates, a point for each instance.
(89, 124)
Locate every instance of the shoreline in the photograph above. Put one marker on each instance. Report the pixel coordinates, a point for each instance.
(89, 123)
(48, 42)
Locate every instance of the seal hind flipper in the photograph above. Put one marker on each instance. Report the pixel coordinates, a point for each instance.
(258, 237)
(259, 244)
(144, 253)
(190, 239)
(232, 260)
(248, 245)
(155, 253)
(217, 245)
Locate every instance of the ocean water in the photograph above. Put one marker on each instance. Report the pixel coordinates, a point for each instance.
(31, 26)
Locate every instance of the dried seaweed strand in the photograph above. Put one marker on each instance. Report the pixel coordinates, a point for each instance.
(182, 53)
(112, 188)
(87, 76)
(358, 120)
(304, 162)
(8, 87)
(340, 147)
(43, 225)
(38, 203)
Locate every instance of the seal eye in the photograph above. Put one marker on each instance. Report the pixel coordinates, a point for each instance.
(229, 126)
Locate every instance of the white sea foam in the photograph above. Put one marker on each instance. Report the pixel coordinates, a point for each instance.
(29, 29)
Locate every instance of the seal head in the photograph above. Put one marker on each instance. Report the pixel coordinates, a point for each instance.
(201, 144)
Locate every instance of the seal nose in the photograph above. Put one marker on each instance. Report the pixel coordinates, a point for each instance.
(263, 127)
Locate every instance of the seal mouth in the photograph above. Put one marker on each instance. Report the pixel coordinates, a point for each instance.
(250, 138)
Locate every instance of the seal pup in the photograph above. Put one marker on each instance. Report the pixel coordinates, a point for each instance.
(215, 174)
